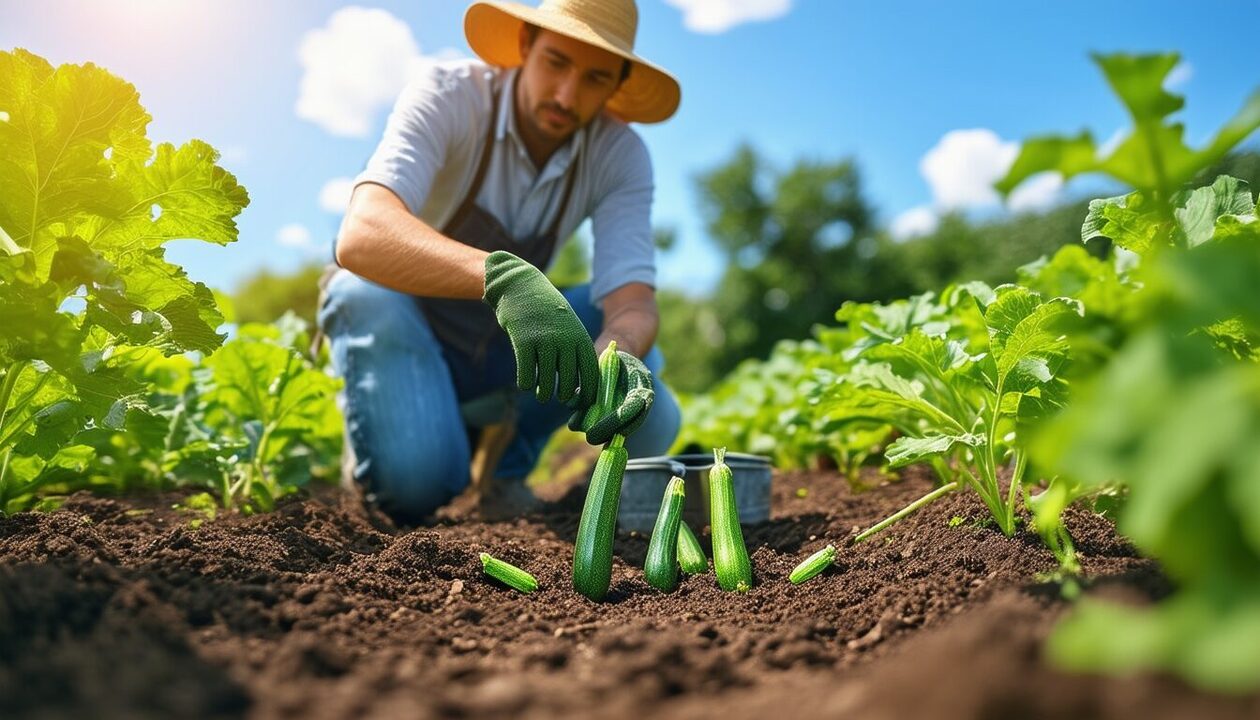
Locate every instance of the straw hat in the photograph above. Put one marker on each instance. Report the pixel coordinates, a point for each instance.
(649, 95)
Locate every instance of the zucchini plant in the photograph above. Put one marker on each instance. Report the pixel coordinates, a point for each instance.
(1173, 413)
(960, 405)
(84, 282)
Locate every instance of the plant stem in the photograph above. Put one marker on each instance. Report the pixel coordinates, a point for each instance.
(4, 489)
(1004, 515)
(982, 489)
(926, 499)
(6, 390)
(260, 454)
(1017, 481)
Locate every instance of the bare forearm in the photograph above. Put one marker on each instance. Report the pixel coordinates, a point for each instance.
(633, 326)
(383, 242)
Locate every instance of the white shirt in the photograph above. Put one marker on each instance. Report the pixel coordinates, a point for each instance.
(432, 143)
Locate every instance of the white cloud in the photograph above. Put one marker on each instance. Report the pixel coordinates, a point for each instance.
(1104, 151)
(717, 16)
(334, 197)
(1039, 192)
(914, 222)
(963, 166)
(295, 235)
(354, 67)
(961, 169)
(1179, 76)
(233, 155)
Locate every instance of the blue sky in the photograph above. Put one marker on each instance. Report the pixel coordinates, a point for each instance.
(930, 98)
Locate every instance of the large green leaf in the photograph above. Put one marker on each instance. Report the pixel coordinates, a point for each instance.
(1153, 157)
(1129, 221)
(872, 391)
(1066, 156)
(1202, 207)
(909, 450)
(1139, 80)
(1026, 338)
(53, 149)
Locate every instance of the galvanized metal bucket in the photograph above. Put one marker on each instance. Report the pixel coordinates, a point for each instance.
(642, 488)
(645, 480)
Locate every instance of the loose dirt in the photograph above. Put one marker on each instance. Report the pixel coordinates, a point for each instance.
(118, 608)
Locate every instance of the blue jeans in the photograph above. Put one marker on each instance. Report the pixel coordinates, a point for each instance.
(406, 397)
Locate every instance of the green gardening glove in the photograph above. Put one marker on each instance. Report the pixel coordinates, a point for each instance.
(633, 398)
(546, 335)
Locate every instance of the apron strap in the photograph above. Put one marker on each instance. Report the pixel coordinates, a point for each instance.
(470, 200)
(569, 182)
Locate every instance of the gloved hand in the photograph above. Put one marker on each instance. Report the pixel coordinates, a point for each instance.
(633, 398)
(547, 337)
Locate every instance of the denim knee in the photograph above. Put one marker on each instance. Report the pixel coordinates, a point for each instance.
(362, 308)
(411, 487)
(402, 414)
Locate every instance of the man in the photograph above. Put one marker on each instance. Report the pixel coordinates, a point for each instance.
(441, 320)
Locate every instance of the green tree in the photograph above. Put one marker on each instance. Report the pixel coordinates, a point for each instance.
(266, 296)
(797, 247)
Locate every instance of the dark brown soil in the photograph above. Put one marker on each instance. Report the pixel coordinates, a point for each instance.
(120, 609)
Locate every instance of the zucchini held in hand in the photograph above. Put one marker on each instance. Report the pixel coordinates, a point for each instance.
(592, 550)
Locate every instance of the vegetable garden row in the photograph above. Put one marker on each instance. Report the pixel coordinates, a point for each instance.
(1120, 376)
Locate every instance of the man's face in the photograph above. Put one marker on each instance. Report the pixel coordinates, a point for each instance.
(564, 83)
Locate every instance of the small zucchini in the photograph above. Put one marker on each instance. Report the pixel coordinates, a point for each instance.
(730, 557)
(813, 565)
(508, 574)
(661, 566)
(690, 555)
(592, 550)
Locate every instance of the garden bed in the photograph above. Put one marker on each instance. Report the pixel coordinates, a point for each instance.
(118, 608)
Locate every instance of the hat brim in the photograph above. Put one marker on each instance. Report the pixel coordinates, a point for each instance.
(649, 94)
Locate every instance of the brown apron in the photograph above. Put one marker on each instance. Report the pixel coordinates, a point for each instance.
(469, 326)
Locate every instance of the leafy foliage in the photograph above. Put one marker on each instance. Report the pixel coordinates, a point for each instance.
(1175, 419)
(102, 334)
(1158, 344)
(1172, 415)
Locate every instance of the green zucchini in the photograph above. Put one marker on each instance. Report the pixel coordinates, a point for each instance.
(661, 566)
(508, 574)
(813, 565)
(730, 557)
(690, 555)
(609, 370)
(592, 550)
